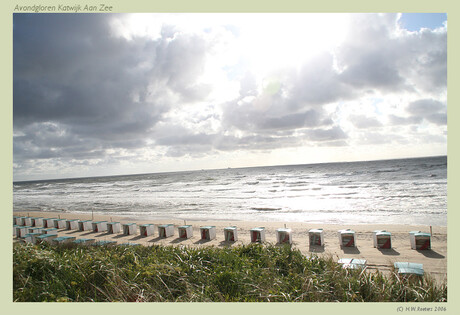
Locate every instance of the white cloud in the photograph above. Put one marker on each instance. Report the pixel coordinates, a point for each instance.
(95, 93)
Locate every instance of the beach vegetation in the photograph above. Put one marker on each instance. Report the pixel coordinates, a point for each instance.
(243, 273)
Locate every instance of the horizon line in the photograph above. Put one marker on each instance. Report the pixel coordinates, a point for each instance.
(216, 169)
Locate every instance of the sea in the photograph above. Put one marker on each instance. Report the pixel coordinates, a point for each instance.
(402, 191)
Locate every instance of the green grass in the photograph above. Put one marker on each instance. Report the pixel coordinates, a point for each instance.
(165, 273)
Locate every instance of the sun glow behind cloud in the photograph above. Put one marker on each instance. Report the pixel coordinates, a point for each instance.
(130, 93)
(261, 43)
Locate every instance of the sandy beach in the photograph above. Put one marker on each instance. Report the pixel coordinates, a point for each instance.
(434, 261)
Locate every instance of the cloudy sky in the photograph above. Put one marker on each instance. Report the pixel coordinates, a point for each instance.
(104, 94)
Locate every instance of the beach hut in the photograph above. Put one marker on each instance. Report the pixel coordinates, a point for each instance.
(382, 239)
(63, 239)
(17, 230)
(208, 232)
(85, 225)
(36, 230)
(258, 235)
(165, 230)
(20, 221)
(420, 240)
(347, 238)
(99, 226)
(14, 219)
(230, 234)
(72, 224)
(49, 222)
(146, 229)
(185, 231)
(352, 263)
(31, 237)
(28, 221)
(21, 231)
(316, 237)
(45, 238)
(283, 236)
(129, 228)
(407, 269)
(113, 227)
(49, 231)
(60, 223)
(38, 222)
(84, 241)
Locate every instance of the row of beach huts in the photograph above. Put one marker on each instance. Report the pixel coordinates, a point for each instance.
(37, 229)
(34, 229)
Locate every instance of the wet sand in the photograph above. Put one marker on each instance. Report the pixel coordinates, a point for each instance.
(434, 261)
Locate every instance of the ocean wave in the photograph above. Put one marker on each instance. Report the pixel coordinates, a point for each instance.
(323, 191)
(299, 183)
(265, 209)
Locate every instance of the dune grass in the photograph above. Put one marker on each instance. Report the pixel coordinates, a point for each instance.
(158, 273)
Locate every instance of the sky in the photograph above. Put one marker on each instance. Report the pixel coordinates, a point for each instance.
(112, 94)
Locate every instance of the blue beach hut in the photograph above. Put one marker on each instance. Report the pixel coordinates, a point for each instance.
(85, 225)
(166, 230)
(347, 238)
(283, 236)
(38, 222)
(230, 234)
(113, 227)
(63, 239)
(382, 239)
(129, 228)
(60, 223)
(99, 226)
(45, 238)
(208, 232)
(316, 237)
(72, 224)
(185, 231)
(258, 235)
(420, 240)
(146, 229)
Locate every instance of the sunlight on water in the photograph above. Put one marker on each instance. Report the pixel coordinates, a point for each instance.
(396, 191)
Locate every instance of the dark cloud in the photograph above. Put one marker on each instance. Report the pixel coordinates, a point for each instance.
(97, 90)
(398, 120)
(428, 109)
(331, 134)
(425, 107)
(318, 83)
